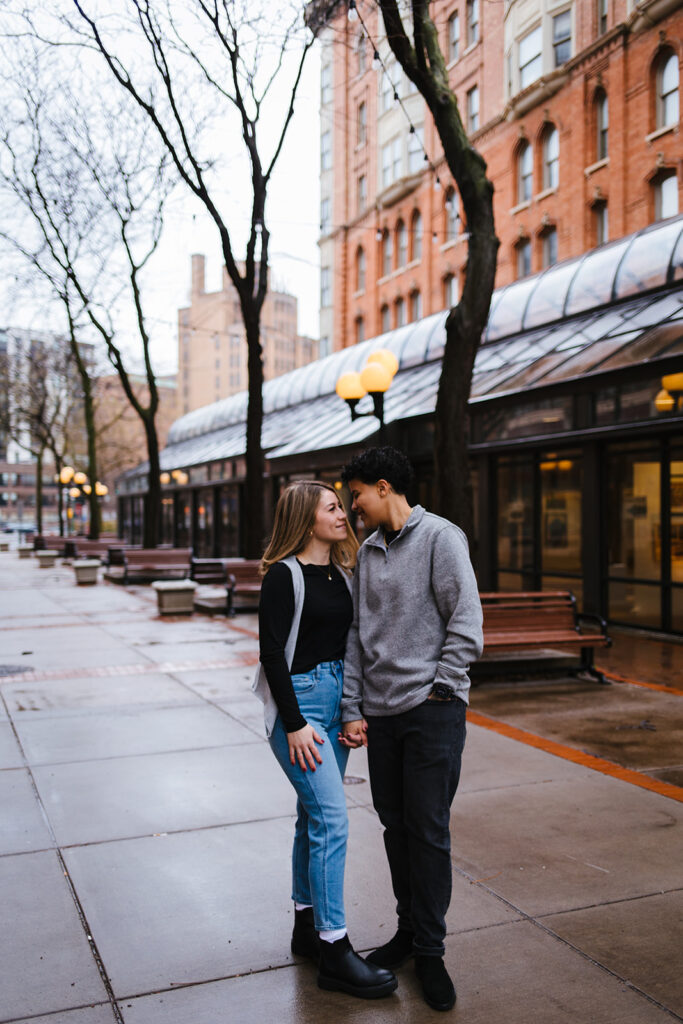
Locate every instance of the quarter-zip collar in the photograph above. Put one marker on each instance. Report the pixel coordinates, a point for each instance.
(376, 539)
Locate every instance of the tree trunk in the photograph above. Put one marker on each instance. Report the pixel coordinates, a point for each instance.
(93, 499)
(254, 511)
(60, 493)
(151, 527)
(39, 492)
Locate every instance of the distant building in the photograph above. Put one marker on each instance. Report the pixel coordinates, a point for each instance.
(212, 349)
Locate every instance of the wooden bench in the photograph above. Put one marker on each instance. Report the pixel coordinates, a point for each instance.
(51, 541)
(533, 621)
(244, 579)
(209, 570)
(149, 564)
(83, 547)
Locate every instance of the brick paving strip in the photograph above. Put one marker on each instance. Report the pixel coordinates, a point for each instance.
(242, 660)
(597, 764)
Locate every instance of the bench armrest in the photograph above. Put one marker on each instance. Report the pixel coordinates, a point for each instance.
(596, 620)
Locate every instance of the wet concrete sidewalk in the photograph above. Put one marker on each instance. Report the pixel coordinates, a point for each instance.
(146, 831)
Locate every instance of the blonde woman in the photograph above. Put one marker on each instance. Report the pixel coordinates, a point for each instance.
(304, 615)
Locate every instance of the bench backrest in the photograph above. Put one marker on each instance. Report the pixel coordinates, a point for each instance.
(529, 612)
(209, 570)
(244, 570)
(158, 557)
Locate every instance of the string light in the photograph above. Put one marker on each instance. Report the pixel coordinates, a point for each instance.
(353, 11)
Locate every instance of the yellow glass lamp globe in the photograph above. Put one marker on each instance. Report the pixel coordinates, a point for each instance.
(349, 386)
(87, 489)
(74, 492)
(376, 377)
(66, 474)
(673, 382)
(80, 478)
(101, 489)
(165, 478)
(386, 358)
(664, 402)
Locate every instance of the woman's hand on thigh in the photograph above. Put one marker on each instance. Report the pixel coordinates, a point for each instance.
(302, 747)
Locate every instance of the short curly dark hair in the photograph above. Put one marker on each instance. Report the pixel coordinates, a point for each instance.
(380, 464)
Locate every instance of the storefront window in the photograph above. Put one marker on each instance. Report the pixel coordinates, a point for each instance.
(515, 524)
(228, 521)
(204, 533)
(167, 520)
(677, 609)
(546, 417)
(184, 519)
(634, 535)
(561, 485)
(676, 499)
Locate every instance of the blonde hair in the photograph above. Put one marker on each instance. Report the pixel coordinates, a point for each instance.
(294, 518)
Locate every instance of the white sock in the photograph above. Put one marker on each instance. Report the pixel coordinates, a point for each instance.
(302, 906)
(332, 934)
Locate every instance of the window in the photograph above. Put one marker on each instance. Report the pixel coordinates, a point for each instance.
(362, 193)
(417, 232)
(326, 84)
(601, 223)
(472, 22)
(450, 291)
(387, 253)
(360, 269)
(414, 151)
(530, 57)
(325, 287)
(666, 196)
(401, 244)
(387, 97)
(562, 37)
(550, 247)
(525, 172)
(325, 151)
(362, 124)
(602, 16)
(325, 216)
(385, 317)
(524, 258)
(602, 124)
(360, 329)
(361, 53)
(667, 91)
(415, 306)
(454, 36)
(473, 109)
(324, 348)
(400, 312)
(551, 158)
(452, 215)
(391, 162)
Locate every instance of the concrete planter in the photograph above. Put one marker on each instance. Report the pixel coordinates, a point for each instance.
(86, 570)
(46, 558)
(175, 597)
(25, 550)
(4, 544)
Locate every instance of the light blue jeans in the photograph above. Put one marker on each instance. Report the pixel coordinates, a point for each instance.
(321, 829)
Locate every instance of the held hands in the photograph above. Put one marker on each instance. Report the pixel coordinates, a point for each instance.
(302, 747)
(354, 734)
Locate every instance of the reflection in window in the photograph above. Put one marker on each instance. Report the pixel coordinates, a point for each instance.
(525, 172)
(515, 522)
(561, 487)
(562, 37)
(551, 158)
(667, 91)
(454, 36)
(602, 125)
(530, 57)
(666, 196)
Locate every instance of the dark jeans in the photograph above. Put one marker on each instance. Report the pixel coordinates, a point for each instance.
(414, 761)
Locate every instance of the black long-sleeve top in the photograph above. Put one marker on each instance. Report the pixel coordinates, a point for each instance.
(325, 620)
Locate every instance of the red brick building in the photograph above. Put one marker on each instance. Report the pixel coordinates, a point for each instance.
(573, 105)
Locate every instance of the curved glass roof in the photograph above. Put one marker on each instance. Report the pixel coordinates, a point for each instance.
(648, 259)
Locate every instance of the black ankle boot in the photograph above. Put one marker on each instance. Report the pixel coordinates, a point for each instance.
(437, 988)
(395, 952)
(305, 941)
(342, 970)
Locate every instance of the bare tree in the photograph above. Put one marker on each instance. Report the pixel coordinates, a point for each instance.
(229, 68)
(92, 190)
(418, 52)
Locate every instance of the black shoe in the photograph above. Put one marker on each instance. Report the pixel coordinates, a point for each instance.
(305, 941)
(342, 970)
(437, 988)
(395, 952)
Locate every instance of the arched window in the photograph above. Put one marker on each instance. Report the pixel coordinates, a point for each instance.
(417, 232)
(361, 53)
(666, 194)
(387, 253)
(360, 329)
(452, 215)
(400, 312)
(551, 158)
(525, 172)
(415, 306)
(385, 316)
(360, 269)
(450, 291)
(601, 125)
(401, 244)
(454, 36)
(523, 255)
(667, 90)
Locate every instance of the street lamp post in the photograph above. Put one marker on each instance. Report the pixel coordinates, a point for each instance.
(374, 379)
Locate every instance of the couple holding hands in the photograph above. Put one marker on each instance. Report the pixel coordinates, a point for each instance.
(369, 647)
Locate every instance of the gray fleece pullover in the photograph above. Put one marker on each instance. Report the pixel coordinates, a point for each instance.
(417, 618)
